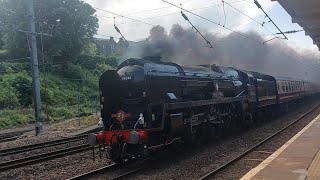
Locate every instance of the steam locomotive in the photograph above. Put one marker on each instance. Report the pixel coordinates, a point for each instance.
(147, 104)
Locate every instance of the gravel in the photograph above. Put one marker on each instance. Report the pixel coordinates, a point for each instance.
(59, 168)
(52, 132)
(190, 164)
(41, 151)
(28, 139)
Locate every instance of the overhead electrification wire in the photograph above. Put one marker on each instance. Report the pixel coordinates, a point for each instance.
(123, 16)
(224, 13)
(270, 20)
(118, 30)
(186, 1)
(194, 9)
(213, 22)
(107, 36)
(155, 9)
(187, 19)
(12, 60)
(289, 32)
(236, 32)
(272, 34)
(7, 72)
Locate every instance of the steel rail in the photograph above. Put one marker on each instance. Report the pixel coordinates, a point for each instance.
(127, 174)
(102, 170)
(9, 139)
(92, 173)
(8, 165)
(26, 148)
(15, 133)
(227, 164)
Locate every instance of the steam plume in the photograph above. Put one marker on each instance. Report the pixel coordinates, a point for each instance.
(184, 46)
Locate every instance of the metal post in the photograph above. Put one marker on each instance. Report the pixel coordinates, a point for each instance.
(35, 70)
(92, 106)
(78, 109)
(95, 105)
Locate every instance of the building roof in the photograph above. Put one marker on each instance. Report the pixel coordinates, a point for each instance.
(307, 14)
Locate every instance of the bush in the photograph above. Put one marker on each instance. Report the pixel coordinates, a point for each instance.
(6, 67)
(90, 62)
(70, 71)
(8, 98)
(61, 113)
(23, 84)
(4, 54)
(11, 118)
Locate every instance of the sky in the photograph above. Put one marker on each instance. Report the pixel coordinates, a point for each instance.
(157, 12)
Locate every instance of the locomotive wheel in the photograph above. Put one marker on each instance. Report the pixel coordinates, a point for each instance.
(213, 132)
(219, 130)
(204, 134)
(245, 121)
(260, 118)
(115, 155)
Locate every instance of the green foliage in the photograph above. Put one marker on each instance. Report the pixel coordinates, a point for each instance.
(90, 49)
(91, 62)
(64, 83)
(1, 41)
(4, 54)
(72, 22)
(23, 84)
(11, 118)
(12, 13)
(58, 113)
(6, 67)
(8, 97)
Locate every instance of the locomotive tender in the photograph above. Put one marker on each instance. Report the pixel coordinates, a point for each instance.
(147, 104)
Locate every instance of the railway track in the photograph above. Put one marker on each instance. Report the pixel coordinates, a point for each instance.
(129, 173)
(104, 169)
(22, 149)
(94, 172)
(10, 136)
(42, 157)
(9, 139)
(29, 160)
(234, 160)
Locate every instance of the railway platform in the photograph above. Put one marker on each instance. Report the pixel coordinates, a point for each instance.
(298, 159)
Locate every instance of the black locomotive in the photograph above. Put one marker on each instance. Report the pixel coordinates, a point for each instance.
(147, 104)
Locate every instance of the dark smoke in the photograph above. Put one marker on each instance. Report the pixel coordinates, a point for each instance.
(185, 46)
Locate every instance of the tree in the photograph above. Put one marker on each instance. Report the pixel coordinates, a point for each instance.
(12, 13)
(71, 22)
(1, 42)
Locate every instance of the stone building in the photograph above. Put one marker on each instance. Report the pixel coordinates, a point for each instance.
(108, 47)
